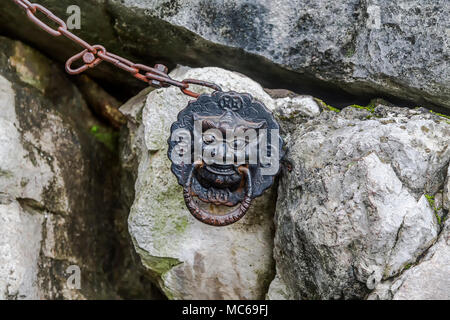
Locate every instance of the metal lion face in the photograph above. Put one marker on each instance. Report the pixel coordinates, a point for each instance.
(225, 149)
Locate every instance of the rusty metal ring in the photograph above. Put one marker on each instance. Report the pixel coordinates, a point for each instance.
(89, 59)
(218, 220)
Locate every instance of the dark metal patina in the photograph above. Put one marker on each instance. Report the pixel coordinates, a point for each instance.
(222, 184)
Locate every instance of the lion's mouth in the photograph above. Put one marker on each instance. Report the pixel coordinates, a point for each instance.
(218, 169)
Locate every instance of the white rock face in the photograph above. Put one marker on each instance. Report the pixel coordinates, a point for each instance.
(188, 259)
(297, 106)
(352, 210)
(20, 229)
(20, 239)
(15, 167)
(25, 177)
(278, 290)
(428, 280)
(56, 203)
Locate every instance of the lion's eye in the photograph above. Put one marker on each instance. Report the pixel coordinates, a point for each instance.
(208, 138)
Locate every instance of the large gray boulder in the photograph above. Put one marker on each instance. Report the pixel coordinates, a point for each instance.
(400, 48)
(366, 48)
(58, 213)
(359, 204)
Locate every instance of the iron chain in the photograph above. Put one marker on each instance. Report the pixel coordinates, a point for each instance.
(92, 55)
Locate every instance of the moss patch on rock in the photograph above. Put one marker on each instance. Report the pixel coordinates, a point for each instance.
(106, 136)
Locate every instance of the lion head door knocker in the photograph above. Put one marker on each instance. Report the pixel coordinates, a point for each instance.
(225, 150)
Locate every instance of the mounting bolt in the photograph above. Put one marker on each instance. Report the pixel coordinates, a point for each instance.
(88, 58)
(156, 83)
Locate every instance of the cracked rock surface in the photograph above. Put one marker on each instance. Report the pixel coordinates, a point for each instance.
(58, 211)
(427, 280)
(358, 206)
(367, 48)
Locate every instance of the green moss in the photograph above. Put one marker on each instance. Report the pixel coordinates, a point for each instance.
(181, 224)
(435, 113)
(432, 203)
(168, 220)
(369, 107)
(326, 106)
(31, 66)
(161, 265)
(6, 174)
(373, 103)
(430, 200)
(333, 108)
(291, 116)
(139, 116)
(350, 52)
(409, 265)
(157, 265)
(351, 164)
(106, 136)
(440, 114)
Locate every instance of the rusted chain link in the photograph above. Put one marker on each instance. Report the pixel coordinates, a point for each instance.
(92, 55)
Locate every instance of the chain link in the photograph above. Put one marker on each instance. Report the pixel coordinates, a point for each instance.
(93, 55)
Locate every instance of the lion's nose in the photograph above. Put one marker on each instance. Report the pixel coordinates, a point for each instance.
(214, 154)
(223, 154)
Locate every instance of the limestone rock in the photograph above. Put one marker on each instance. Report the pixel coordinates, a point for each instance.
(429, 279)
(327, 49)
(58, 212)
(353, 208)
(20, 238)
(278, 291)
